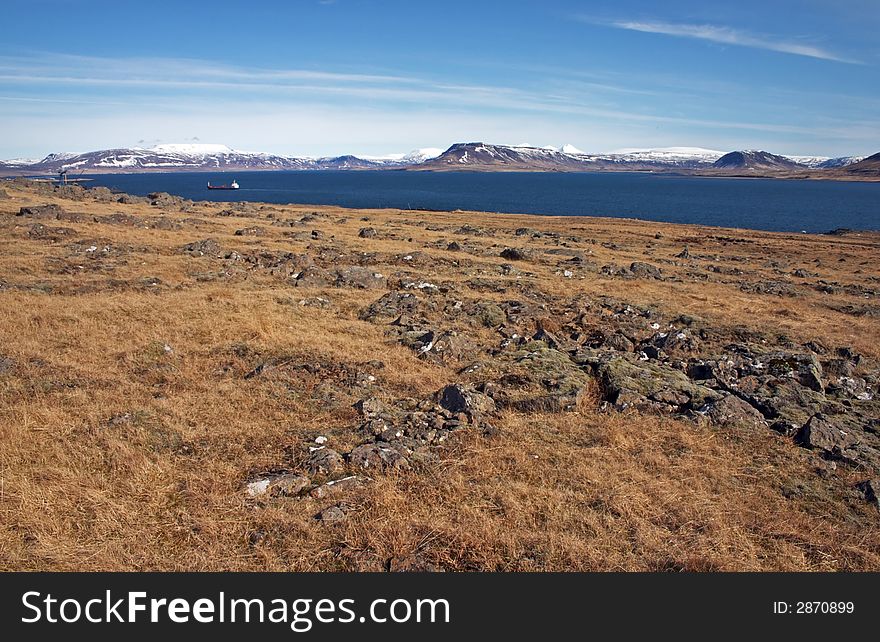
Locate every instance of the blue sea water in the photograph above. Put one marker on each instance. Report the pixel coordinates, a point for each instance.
(764, 204)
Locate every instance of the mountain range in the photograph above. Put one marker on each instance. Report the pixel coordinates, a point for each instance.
(475, 156)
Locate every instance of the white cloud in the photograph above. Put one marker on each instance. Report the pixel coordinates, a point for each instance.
(727, 36)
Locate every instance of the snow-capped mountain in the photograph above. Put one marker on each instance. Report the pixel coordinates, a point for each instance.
(809, 161)
(675, 155)
(569, 158)
(193, 149)
(756, 160)
(840, 161)
(568, 148)
(460, 156)
(415, 156)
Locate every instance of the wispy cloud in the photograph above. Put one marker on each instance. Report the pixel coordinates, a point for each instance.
(727, 36)
(322, 111)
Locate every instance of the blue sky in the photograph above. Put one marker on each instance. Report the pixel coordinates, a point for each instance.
(322, 77)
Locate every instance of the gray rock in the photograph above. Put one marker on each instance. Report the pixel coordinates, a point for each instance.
(338, 487)
(370, 407)
(324, 461)
(355, 276)
(823, 433)
(41, 211)
(652, 381)
(254, 230)
(491, 315)
(516, 254)
(205, 247)
(367, 232)
(645, 270)
(331, 515)
(285, 485)
(731, 411)
(315, 277)
(378, 456)
(457, 398)
(870, 489)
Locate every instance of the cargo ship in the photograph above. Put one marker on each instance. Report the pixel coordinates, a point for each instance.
(232, 185)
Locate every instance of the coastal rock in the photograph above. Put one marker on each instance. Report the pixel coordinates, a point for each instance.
(42, 211)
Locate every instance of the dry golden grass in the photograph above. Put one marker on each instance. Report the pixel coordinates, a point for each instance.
(163, 488)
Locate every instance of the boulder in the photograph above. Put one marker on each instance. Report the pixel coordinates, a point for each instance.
(41, 211)
(653, 381)
(338, 487)
(355, 276)
(457, 398)
(283, 485)
(491, 315)
(731, 411)
(822, 432)
(367, 232)
(870, 489)
(378, 456)
(390, 306)
(516, 254)
(324, 461)
(645, 270)
(254, 230)
(314, 277)
(205, 247)
(331, 515)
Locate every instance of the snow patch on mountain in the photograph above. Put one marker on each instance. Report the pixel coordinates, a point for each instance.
(193, 149)
(664, 154)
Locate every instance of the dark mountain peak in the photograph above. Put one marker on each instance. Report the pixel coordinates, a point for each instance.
(755, 159)
(869, 166)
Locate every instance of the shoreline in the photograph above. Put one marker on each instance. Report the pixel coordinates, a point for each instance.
(834, 175)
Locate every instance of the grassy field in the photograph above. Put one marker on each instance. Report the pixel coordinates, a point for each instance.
(142, 387)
